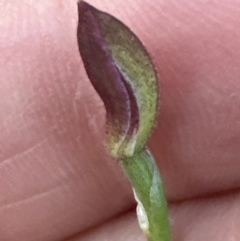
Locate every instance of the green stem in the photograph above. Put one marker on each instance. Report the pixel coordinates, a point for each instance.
(142, 171)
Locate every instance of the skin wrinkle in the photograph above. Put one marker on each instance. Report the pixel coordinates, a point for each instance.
(94, 120)
(62, 177)
(32, 198)
(19, 113)
(26, 150)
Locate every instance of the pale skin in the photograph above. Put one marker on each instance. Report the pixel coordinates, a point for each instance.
(57, 182)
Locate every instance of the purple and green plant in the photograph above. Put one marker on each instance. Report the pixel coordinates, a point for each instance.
(124, 76)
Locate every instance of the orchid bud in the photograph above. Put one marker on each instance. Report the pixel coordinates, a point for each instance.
(123, 75)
